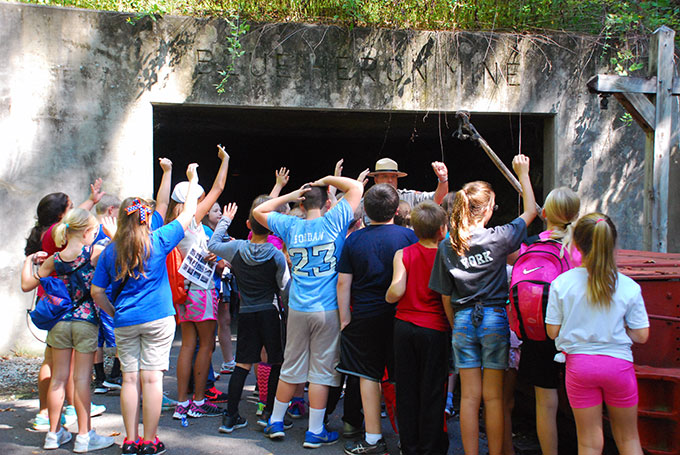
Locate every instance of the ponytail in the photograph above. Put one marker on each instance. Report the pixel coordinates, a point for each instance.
(75, 221)
(469, 206)
(561, 209)
(595, 236)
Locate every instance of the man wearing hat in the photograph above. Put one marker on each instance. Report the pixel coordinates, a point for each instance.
(387, 171)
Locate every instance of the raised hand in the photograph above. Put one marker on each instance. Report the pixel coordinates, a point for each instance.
(363, 176)
(282, 177)
(192, 171)
(109, 226)
(520, 164)
(230, 210)
(440, 170)
(338, 167)
(96, 192)
(165, 163)
(222, 153)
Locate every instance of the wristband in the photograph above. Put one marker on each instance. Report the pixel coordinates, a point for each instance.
(445, 180)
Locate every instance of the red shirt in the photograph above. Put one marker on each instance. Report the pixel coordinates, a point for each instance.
(48, 244)
(420, 305)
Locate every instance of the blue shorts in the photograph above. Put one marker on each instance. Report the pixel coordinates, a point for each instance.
(106, 336)
(484, 346)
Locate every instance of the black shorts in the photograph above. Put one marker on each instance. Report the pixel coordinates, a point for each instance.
(536, 364)
(366, 348)
(255, 330)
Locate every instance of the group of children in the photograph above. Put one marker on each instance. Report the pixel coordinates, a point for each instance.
(324, 300)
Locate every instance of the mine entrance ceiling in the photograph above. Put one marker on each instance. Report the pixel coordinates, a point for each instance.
(309, 142)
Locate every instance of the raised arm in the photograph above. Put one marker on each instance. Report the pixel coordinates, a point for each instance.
(163, 195)
(353, 189)
(282, 177)
(397, 288)
(218, 185)
(262, 211)
(225, 250)
(96, 194)
(189, 208)
(520, 164)
(442, 173)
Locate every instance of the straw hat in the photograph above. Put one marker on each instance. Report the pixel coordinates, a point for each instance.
(387, 166)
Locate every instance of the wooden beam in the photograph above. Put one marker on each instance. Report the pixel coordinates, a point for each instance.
(639, 106)
(611, 83)
(661, 62)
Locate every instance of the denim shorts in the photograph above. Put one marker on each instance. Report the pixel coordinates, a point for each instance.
(484, 346)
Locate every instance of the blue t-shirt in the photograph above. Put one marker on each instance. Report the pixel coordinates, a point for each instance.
(368, 255)
(314, 247)
(479, 275)
(145, 298)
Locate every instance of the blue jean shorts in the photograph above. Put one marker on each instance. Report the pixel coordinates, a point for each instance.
(484, 346)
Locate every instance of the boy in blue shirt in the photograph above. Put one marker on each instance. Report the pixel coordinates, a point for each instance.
(312, 344)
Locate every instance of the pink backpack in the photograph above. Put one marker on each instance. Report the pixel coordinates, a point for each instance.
(536, 267)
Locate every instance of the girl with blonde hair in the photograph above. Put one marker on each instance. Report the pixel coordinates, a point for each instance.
(469, 271)
(594, 315)
(75, 335)
(141, 307)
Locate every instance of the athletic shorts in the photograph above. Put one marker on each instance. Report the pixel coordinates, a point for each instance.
(483, 346)
(537, 366)
(145, 346)
(255, 331)
(201, 305)
(74, 334)
(106, 335)
(591, 379)
(367, 347)
(312, 348)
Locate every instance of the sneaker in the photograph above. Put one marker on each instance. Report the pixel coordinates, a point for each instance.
(168, 403)
(228, 367)
(42, 422)
(230, 423)
(316, 440)
(114, 383)
(130, 447)
(264, 421)
(151, 447)
(260, 408)
(361, 447)
(95, 410)
(99, 387)
(349, 431)
(91, 441)
(297, 409)
(207, 409)
(215, 395)
(274, 430)
(54, 440)
(181, 411)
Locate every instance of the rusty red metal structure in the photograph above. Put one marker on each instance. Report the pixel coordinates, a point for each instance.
(657, 362)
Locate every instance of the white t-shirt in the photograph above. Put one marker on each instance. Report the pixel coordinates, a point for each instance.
(587, 329)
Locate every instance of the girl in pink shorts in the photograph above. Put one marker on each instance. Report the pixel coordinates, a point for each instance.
(595, 314)
(198, 314)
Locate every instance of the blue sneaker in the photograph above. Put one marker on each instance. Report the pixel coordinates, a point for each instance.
(296, 409)
(316, 440)
(274, 430)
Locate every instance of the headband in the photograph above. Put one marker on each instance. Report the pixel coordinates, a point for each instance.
(144, 211)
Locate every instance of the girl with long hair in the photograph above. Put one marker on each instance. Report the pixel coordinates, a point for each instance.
(469, 272)
(141, 307)
(75, 335)
(594, 315)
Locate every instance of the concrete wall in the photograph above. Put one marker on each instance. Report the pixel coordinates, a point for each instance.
(77, 89)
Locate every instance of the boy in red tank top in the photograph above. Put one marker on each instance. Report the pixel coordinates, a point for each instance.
(421, 337)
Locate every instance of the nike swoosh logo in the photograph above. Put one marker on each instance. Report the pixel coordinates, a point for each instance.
(526, 272)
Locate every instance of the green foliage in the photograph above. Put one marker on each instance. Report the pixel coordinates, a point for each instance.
(237, 28)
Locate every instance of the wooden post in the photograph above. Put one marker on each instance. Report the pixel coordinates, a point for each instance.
(658, 143)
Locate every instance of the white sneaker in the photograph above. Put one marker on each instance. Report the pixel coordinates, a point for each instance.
(54, 440)
(91, 441)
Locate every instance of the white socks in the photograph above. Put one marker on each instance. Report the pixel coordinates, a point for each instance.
(373, 439)
(316, 420)
(279, 411)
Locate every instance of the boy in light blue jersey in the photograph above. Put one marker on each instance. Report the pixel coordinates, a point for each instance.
(312, 342)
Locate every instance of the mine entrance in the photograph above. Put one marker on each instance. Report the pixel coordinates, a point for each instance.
(309, 142)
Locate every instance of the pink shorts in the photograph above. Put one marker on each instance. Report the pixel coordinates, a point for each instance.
(200, 306)
(590, 379)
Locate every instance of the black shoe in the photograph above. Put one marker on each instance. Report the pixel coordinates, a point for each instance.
(349, 431)
(152, 448)
(99, 387)
(363, 447)
(130, 447)
(230, 423)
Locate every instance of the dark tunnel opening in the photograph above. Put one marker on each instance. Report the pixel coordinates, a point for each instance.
(309, 142)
